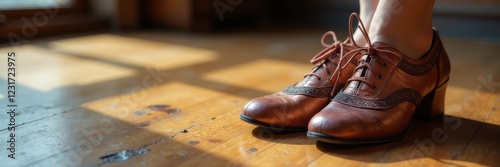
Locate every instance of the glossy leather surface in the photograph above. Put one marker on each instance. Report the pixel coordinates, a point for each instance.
(381, 97)
(292, 108)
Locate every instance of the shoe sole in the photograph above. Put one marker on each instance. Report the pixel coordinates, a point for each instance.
(340, 141)
(276, 128)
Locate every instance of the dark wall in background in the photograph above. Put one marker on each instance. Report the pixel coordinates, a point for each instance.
(457, 18)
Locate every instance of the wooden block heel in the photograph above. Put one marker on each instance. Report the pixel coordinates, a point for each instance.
(432, 105)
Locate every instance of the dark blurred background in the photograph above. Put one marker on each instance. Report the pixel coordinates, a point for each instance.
(460, 18)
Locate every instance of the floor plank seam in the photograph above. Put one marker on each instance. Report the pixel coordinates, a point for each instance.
(196, 125)
(314, 160)
(117, 132)
(179, 132)
(43, 159)
(39, 119)
(467, 145)
(72, 148)
(475, 132)
(386, 150)
(107, 136)
(489, 114)
(110, 135)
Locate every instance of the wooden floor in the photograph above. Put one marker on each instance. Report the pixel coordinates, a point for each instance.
(175, 99)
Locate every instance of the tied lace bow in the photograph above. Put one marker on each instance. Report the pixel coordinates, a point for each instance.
(326, 55)
(370, 51)
(320, 59)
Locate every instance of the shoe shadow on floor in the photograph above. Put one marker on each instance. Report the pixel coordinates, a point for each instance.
(284, 137)
(451, 140)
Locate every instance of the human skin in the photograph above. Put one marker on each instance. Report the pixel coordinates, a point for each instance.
(405, 25)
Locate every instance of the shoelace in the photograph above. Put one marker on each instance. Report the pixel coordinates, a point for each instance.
(371, 54)
(326, 54)
(351, 54)
(320, 59)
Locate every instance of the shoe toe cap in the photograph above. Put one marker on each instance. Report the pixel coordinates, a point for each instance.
(342, 123)
(328, 124)
(263, 109)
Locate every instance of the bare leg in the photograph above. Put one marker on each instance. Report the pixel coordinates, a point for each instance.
(405, 25)
(366, 11)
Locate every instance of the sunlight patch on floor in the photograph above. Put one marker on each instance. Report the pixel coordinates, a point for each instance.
(460, 101)
(276, 74)
(133, 51)
(43, 70)
(175, 94)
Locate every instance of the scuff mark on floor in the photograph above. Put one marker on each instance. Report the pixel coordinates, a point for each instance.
(164, 108)
(252, 150)
(147, 123)
(123, 155)
(214, 140)
(141, 112)
(194, 142)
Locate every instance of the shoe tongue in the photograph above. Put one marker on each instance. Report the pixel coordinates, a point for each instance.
(359, 88)
(354, 87)
(322, 72)
(379, 44)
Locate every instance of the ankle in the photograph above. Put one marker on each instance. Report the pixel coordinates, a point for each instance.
(413, 45)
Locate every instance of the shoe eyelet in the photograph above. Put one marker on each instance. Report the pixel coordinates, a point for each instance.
(384, 65)
(379, 76)
(319, 79)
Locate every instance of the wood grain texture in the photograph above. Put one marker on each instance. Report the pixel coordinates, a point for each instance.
(179, 96)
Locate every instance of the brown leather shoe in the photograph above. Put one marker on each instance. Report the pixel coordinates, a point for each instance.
(386, 90)
(292, 108)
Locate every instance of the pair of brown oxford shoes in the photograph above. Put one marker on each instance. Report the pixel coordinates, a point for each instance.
(357, 94)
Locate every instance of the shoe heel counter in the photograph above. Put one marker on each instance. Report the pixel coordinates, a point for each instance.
(432, 105)
(444, 66)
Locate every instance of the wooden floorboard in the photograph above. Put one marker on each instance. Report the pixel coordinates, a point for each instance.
(484, 146)
(180, 95)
